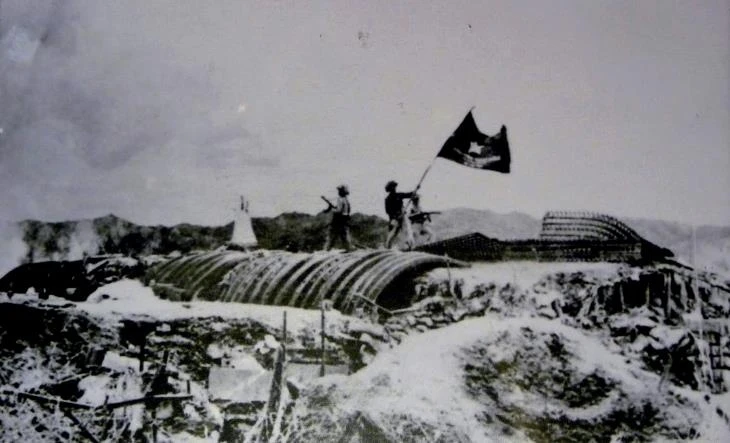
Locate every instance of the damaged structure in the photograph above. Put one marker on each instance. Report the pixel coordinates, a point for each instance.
(74, 280)
(346, 280)
(565, 236)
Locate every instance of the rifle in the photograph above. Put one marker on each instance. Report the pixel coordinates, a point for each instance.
(330, 206)
(420, 217)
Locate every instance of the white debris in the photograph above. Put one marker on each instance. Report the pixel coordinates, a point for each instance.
(120, 363)
(267, 345)
(95, 389)
(244, 362)
(239, 385)
(215, 351)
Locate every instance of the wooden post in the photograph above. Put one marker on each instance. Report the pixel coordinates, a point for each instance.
(274, 396)
(62, 405)
(283, 338)
(448, 273)
(621, 294)
(142, 342)
(159, 381)
(165, 358)
(85, 432)
(154, 423)
(321, 368)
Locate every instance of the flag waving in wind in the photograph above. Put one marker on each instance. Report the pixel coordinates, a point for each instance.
(469, 147)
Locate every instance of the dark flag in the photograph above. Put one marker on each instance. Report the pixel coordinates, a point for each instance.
(469, 147)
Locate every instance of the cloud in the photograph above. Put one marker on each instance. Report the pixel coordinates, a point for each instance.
(134, 107)
(83, 102)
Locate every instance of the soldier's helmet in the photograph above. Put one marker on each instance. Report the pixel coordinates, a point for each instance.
(343, 189)
(390, 186)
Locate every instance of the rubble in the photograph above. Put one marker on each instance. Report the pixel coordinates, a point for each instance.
(632, 303)
(645, 321)
(223, 363)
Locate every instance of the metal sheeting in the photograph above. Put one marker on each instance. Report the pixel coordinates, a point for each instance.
(289, 279)
(565, 225)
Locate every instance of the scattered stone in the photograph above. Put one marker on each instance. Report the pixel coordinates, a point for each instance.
(271, 341)
(367, 339)
(367, 354)
(245, 362)
(476, 305)
(457, 314)
(214, 351)
(547, 312)
(411, 320)
(374, 330)
(267, 345)
(294, 387)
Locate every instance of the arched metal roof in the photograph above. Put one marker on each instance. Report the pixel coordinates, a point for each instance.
(289, 279)
(566, 225)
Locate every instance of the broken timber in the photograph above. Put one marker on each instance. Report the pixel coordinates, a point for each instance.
(148, 399)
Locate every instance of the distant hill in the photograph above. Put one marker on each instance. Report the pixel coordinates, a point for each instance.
(712, 242)
(461, 221)
(33, 240)
(304, 232)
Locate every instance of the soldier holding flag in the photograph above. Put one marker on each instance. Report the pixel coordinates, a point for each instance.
(467, 146)
(397, 219)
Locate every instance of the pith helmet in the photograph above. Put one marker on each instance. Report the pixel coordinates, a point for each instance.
(390, 186)
(344, 189)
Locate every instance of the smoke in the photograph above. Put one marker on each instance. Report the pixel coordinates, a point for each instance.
(12, 247)
(86, 98)
(77, 244)
(83, 241)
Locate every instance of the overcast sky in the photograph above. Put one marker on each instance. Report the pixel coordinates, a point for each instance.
(166, 111)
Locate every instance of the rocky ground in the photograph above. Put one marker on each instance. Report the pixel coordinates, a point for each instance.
(89, 354)
(500, 352)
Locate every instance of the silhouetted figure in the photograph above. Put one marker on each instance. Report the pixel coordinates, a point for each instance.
(420, 221)
(339, 228)
(396, 216)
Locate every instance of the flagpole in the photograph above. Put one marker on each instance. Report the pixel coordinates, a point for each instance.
(433, 160)
(423, 176)
(428, 168)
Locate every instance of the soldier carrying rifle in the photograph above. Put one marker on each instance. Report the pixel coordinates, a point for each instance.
(339, 228)
(420, 221)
